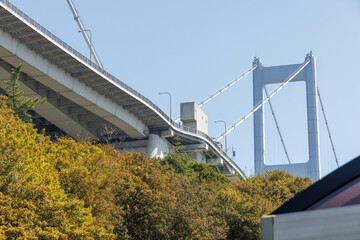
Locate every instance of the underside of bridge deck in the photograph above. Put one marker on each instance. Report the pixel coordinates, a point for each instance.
(86, 102)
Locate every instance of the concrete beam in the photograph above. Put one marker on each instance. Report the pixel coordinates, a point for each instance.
(51, 112)
(167, 133)
(58, 80)
(199, 146)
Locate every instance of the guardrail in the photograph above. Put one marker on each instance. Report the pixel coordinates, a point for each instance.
(35, 24)
(52, 36)
(204, 135)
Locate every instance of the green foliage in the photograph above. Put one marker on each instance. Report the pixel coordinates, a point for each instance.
(205, 172)
(72, 190)
(243, 204)
(33, 203)
(15, 99)
(180, 162)
(195, 214)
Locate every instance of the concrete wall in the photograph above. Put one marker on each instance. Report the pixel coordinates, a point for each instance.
(326, 224)
(194, 117)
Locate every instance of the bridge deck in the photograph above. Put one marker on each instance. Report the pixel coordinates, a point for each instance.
(82, 97)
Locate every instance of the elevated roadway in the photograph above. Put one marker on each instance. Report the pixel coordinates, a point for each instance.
(87, 102)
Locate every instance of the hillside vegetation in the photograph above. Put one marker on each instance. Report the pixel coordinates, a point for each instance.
(78, 190)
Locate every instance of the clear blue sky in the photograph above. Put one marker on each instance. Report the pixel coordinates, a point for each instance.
(194, 48)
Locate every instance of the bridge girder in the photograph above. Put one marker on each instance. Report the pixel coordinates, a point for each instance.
(77, 104)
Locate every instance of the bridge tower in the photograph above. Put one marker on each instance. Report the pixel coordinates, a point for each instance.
(276, 74)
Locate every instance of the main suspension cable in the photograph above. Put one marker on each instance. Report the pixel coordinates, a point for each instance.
(223, 89)
(227, 86)
(83, 32)
(327, 127)
(261, 103)
(277, 126)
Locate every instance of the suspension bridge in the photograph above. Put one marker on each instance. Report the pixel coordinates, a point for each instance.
(87, 102)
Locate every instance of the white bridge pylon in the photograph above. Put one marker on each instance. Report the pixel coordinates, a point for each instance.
(262, 76)
(260, 103)
(285, 74)
(268, 75)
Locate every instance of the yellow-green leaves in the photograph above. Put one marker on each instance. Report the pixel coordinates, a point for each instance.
(77, 190)
(16, 101)
(33, 203)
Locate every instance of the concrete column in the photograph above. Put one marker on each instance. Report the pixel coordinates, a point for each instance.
(259, 131)
(157, 146)
(312, 118)
(199, 157)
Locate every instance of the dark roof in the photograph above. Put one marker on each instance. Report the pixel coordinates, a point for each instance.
(327, 189)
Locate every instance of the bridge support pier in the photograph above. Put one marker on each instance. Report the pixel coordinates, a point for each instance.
(154, 146)
(157, 146)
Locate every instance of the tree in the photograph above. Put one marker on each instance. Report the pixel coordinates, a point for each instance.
(16, 101)
(242, 204)
(78, 190)
(33, 204)
(180, 162)
(195, 214)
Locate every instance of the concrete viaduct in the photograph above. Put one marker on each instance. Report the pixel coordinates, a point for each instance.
(86, 102)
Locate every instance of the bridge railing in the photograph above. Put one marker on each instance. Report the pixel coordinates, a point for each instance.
(52, 36)
(197, 132)
(35, 24)
(202, 134)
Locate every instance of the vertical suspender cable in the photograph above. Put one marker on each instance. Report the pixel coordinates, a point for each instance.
(327, 127)
(277, 126)
(261, 103)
